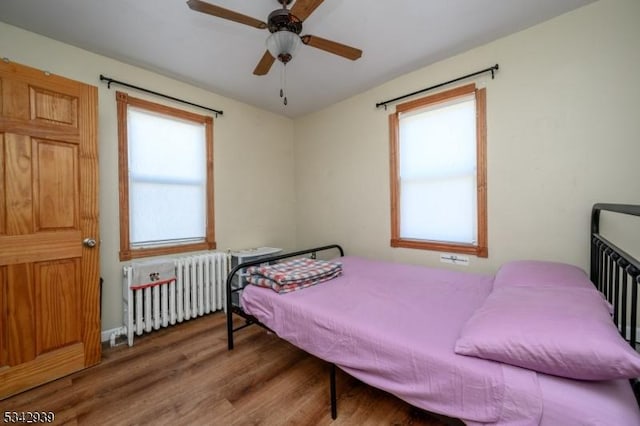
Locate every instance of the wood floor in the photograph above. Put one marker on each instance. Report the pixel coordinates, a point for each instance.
(184, 375)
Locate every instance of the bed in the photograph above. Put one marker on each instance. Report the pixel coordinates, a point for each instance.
(436, 337)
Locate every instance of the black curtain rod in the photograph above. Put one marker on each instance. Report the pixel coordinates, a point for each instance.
(112, 81)
(493, 69)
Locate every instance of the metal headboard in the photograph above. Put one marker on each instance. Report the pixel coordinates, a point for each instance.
(616, 274)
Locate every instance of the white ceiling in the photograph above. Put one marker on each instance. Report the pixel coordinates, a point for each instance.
(167, 37)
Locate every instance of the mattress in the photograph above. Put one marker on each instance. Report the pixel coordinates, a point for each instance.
(582, 403)
(394, 327)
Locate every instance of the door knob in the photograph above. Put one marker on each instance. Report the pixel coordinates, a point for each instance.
(89, 242)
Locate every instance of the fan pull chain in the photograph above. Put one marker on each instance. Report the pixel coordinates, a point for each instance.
(283, 83)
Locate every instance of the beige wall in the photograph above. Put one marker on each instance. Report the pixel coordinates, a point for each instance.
(253, 149)
(563, 133)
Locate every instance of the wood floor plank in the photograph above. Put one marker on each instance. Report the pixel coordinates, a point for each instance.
(185, 375)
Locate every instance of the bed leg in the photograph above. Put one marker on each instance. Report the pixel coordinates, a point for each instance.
(332, 389)
(229, 329)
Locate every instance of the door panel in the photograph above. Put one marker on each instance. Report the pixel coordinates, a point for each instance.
(19, 200)
(20, 305)
(49, 281)
(58, 302)
(13, 105)
(55, 188)
(53, 107)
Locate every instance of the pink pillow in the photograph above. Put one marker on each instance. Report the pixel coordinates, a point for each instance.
(564, 331)
(540, 273)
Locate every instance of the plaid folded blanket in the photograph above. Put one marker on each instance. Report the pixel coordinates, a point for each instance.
(293, 275)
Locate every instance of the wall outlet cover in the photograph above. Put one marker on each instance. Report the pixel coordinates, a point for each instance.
(454, 259)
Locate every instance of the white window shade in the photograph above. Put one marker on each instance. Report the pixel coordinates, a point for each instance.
(167, 179)
(437, 172)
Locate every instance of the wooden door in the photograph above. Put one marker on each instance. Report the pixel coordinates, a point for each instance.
(49, 279)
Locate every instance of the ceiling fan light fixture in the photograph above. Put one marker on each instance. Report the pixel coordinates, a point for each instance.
(283, 44)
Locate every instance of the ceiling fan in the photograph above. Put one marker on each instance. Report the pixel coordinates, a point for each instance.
(285, 26)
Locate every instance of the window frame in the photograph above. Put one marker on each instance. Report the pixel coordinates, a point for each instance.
(479, 249)
(123, 101)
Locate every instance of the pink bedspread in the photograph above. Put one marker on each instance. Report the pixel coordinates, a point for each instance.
(394, 327)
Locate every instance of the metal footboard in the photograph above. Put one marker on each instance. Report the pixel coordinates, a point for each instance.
(249, 319)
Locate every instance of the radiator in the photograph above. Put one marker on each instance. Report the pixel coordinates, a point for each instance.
(198, 290)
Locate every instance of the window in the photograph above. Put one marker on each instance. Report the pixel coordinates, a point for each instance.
(166, 179)
(438, 172)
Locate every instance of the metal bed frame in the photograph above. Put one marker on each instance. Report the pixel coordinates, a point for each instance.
(250, 319)
(614, 272)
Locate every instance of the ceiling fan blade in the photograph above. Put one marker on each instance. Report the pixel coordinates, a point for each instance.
(220, 12)
(332, 47)
(265, 64)
(303, 8)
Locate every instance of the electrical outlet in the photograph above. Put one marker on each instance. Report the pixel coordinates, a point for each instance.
(454, 259)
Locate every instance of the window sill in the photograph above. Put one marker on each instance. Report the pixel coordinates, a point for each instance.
(440, 246)
(162, 251)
